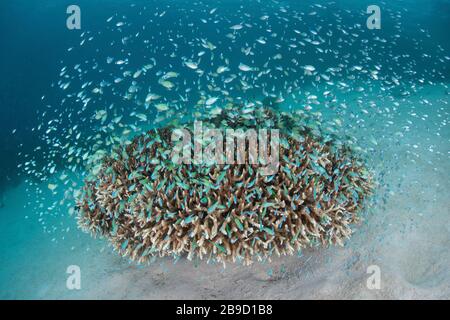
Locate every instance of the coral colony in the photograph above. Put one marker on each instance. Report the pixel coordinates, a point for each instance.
(147, 201)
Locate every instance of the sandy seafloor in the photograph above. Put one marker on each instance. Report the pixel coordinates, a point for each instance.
(407, 235)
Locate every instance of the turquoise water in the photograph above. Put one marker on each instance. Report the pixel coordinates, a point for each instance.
(65, 94)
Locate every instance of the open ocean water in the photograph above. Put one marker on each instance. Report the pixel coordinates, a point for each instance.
(66, 95)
